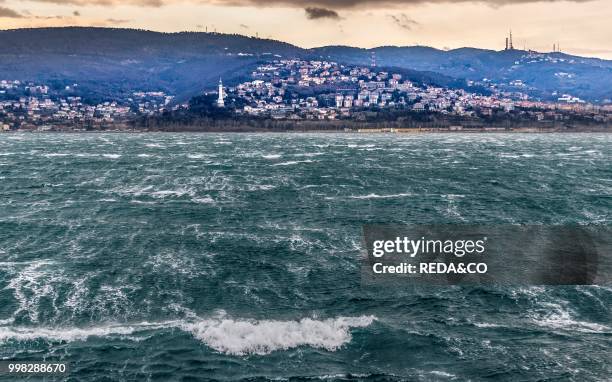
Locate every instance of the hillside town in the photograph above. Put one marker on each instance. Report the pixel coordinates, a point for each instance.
(30, 106)
(295, 90)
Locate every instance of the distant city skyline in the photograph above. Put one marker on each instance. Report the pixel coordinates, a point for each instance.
(579, 27)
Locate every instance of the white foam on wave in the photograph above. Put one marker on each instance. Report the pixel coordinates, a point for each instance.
(376, 196)
(31, 284)
(367, 146)
(41, 290)
(264, 337)
(161, 194)
(561, 318)
(204, 200)
(271, 156)
(314, 154)
(486, 325)
(260, 187)
(141, 202)
(133, 190)
(444, 374)
(557, 314)
(229, 336)
(72, 334)
(174, 263)
(293, 162)
(7, 321)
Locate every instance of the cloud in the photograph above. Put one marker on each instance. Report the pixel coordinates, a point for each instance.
(140, 3)
(403, 21)
(314, 13)
(370, 4)
(329, 5)
(117, 21)
(5, 12)
(46, 17)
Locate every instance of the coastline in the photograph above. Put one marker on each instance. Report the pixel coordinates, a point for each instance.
(372, 131)
(345, 127)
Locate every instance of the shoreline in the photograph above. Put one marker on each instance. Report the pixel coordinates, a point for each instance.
(347, 132)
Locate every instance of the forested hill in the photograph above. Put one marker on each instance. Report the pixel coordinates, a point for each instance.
(105, 62)
(109, 61)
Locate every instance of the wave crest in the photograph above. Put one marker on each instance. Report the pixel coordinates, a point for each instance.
(233, 337)
(264, 337)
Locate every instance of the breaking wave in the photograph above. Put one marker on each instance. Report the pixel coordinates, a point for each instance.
(229, 336)
(263, 337)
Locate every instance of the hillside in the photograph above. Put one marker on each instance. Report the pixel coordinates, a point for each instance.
(106, 62)
(542, 74)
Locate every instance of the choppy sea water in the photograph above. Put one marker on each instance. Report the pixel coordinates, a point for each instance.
(236, 257)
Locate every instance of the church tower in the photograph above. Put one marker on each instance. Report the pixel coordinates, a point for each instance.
(220, 101)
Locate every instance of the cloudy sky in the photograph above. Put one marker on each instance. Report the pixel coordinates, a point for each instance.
(581, 27)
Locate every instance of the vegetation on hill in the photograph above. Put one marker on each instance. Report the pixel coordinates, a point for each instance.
(109, 63)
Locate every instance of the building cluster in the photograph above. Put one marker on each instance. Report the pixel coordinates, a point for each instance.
(297, 89)
(533, 57)
(150, 103)
(35, 106)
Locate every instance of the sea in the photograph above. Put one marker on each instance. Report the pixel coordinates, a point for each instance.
(236, 257)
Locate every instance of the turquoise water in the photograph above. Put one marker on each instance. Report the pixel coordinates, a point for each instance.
(236, 257)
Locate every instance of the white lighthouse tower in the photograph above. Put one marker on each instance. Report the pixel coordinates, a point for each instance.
(220, 101)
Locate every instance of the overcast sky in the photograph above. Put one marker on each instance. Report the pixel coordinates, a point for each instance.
(581, 27)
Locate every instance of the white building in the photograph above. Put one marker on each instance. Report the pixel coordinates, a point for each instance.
(220, 101)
